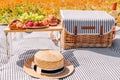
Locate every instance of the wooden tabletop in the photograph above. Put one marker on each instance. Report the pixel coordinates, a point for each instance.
(52, 28)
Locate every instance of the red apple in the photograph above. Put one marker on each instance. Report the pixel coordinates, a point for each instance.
(30, 23)
(41, 23)
(35, 24)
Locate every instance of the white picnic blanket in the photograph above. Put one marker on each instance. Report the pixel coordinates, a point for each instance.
(90, 63)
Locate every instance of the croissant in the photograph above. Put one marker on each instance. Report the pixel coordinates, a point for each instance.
(16, 25)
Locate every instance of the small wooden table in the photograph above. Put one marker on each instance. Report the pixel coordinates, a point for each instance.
(52, 28)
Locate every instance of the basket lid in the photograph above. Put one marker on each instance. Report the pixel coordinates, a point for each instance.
(87, 22)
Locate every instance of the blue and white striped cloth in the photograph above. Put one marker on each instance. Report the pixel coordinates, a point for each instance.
(90, 63)
(72, 18)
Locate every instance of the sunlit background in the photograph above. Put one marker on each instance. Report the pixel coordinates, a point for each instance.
(12, 9)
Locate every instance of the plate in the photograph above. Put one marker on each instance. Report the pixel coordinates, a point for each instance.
(35, 27)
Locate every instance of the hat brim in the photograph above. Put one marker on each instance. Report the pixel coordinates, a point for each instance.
(69, 68)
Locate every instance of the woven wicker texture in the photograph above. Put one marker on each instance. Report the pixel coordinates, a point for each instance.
(71, 41)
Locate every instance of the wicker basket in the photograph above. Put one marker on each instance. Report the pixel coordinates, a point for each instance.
(75, 41)
(87, 29)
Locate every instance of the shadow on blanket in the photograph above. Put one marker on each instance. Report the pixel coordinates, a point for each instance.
(113, 51)
(23, 57)
(68, 55)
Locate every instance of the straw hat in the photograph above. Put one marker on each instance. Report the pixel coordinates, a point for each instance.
(48, 64)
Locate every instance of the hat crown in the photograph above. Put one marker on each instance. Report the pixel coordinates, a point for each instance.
(49, 55)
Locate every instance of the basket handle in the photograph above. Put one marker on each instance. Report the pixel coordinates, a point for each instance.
(75, 30)
(75, 35)
(101, 30)
(101, 34)
(87, 27)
